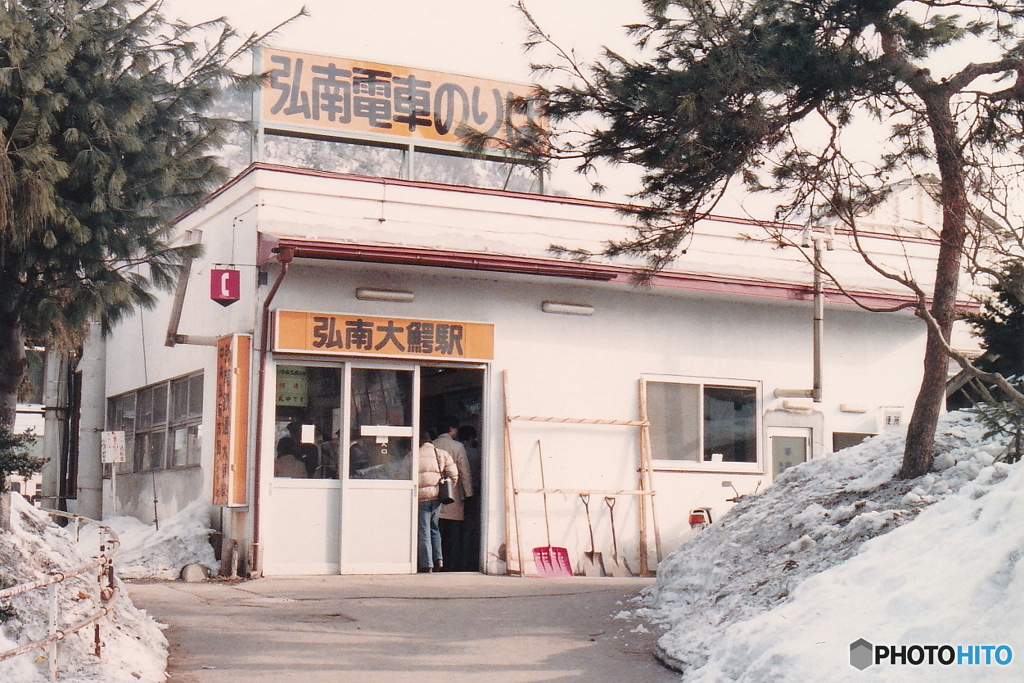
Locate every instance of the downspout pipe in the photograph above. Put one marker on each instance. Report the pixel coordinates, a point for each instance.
(816, 392)
(284, 257)
(819, 322)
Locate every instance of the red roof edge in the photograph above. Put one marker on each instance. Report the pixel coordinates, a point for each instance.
(550, 267)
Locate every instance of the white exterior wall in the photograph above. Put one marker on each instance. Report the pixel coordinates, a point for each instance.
(138, 356)
(557, 365)
(589, 367)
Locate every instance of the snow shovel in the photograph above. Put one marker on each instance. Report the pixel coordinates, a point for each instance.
(593, 563)
(618, 567)
(551, 562)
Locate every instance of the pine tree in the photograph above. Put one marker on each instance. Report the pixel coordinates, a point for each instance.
(773, 94)
(15, 457)
(1000, 325)
(105, 139)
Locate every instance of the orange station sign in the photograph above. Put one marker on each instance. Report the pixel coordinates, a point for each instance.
(231, 421)
(343, 334)
(339, 96)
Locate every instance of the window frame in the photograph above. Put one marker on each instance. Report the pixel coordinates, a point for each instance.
(700, 465)
(167, 423)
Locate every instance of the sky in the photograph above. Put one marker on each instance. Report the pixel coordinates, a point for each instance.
(472, 37)
(482, 38)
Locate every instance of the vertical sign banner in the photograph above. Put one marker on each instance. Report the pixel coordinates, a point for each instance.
(231, 421)
(348, 96)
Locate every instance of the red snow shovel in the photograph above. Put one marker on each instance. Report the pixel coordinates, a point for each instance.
(551, 562)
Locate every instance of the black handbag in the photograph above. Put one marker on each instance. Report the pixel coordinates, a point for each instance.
(445, 487)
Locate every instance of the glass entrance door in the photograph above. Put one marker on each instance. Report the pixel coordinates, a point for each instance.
(378, 492)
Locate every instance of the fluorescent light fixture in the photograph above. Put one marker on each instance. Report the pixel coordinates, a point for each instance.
(383, 295)
(566, 309)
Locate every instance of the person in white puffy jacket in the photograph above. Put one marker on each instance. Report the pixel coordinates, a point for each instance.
(432, 462)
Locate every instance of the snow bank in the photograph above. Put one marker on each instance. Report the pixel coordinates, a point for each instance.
(150, 553)
(951, 577)
(134, 649)
(773, 591)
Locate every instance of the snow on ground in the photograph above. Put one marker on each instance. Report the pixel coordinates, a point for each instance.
(150, 553)
(779, 588)
(135, 650)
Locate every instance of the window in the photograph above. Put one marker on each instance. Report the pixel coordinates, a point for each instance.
(459, 169)
(364, 157)
(308, 422)
(339, 156)
(841, 440)
(697, 422)
(31, 390)
(161, 424)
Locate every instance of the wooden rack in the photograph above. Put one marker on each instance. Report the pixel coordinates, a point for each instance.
(645, 491)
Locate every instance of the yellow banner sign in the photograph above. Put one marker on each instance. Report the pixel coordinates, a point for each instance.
(360, 335)
(231, 421)
(351, 96)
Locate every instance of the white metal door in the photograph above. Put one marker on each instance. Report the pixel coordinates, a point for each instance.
(790, 446)
(302, 524)
(378, 473)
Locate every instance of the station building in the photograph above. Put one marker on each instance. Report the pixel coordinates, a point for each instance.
(362, 279)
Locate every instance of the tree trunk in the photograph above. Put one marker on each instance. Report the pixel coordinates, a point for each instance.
(13, 365)
(917, 454)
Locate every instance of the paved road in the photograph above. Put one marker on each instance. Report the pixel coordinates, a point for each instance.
(448, 628)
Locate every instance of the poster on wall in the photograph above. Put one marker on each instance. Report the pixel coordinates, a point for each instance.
(112, 447)
(350, 97)
(292, 386)
(230, 441)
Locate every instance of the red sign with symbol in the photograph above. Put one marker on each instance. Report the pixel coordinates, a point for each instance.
(225, 286)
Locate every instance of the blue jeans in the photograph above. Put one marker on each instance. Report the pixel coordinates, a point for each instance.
(429, 535)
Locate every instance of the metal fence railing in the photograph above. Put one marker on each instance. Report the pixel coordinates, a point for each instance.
(105, 595)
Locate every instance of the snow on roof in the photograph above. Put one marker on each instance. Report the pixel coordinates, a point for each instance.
(346, 212)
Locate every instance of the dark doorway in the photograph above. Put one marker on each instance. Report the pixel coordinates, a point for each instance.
(455, 395)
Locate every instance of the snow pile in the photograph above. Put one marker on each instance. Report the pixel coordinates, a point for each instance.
(773, 590)
(150, 553)
(134, 649)
(950, 578)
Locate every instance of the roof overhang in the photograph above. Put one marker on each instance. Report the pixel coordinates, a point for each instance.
(387, 254)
